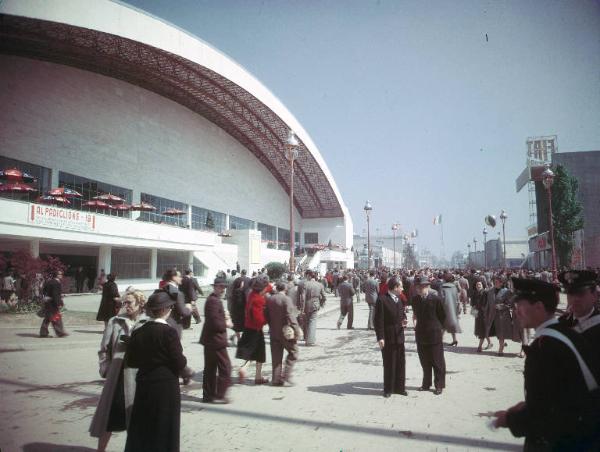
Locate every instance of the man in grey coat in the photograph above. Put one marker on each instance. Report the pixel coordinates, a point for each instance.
(371, 289)
(280, 312)
(346, 292)
(314, 299)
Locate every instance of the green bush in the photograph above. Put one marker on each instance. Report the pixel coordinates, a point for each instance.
(275, 270)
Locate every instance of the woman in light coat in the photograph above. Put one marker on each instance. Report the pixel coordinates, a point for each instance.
(499, 312)
(114, 408)
(449, 294)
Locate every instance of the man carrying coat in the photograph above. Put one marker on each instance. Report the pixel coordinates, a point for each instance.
(390, 320)
(429, 312)
(280, 312)
(371, 289)
(214, 339)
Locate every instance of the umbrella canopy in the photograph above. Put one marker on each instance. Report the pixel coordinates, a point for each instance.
(16, 175)
(122, 207)
(47, 199)
(17, 187)
(143, 207)
(173, 212)
(107, 197)
(64, 192)
(96, 204)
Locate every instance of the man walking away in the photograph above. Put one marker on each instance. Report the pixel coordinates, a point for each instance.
(314, 299)
(371, 289)
(346, 292)
(52, 302)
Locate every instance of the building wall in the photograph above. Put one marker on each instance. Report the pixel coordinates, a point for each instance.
(105, 129)
(585, 167)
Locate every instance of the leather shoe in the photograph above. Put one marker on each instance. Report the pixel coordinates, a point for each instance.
(437, 391)
(423, 388)
(403, 393)
(387, 395)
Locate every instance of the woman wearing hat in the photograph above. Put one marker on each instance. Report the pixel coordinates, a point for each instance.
(499, 308)
(251, 346)
(114, 408)
(155, 350)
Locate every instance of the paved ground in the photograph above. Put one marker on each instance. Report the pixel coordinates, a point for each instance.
(49, 389)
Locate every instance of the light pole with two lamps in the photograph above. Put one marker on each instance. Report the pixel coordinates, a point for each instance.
(503, 217)
(485, 232)
(548, 180)
(368, 209)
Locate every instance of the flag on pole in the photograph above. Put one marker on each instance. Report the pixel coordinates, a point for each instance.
(437, 219)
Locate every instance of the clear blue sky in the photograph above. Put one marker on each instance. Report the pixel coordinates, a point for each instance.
(410, 105)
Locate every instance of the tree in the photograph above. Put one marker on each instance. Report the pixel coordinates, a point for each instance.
(275, 270)
(210, 223)
(566, 213)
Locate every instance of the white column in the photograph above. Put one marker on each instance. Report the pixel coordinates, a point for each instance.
(227, 222)
(189, 216)
(104, 258)
(191, 261)
(34, 247)
(53, 178)
(153, 263)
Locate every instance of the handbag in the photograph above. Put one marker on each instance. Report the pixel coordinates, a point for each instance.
(288, 332)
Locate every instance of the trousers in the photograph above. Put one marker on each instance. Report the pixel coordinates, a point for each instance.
(370, 322)
(310, 333)
(277, 347)
(54, 318)
(346, 308)
(394, 368)
(213, 386)
(431, 357)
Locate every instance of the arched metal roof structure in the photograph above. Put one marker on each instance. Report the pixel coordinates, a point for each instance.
(120, 42)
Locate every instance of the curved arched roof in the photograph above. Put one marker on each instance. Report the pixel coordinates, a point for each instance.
(121, 42)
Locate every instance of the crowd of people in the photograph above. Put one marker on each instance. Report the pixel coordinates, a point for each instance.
(142, 359)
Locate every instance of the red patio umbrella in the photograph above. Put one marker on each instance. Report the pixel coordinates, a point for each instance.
(64, 192)
(173, 212)
(143, 207)
(96, 204)
(122, 207)
(16, 175)
(53, 200)
(17, 187)
(111, 199)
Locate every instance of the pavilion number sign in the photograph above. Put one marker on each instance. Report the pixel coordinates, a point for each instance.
(58, 218)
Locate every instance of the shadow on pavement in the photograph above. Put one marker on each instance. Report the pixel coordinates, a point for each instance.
(49, 447)
(460, 441)
(353, 388)
(28, 334)
(87, 332)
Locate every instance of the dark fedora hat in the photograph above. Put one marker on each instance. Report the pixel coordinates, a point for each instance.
(159, 300)
(219, 281)
(423, 281)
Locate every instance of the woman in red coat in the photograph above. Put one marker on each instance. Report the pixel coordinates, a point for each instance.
(251, 346)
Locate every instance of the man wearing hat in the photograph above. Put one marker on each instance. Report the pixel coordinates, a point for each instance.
(429, 313)
(314, 296)
(553, 415)
(583, 315)
(214, 339)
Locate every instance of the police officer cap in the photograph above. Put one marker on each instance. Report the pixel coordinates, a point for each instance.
(219, 281)
(536, 290)
(159, 300)
(423, 281)
(577, 280)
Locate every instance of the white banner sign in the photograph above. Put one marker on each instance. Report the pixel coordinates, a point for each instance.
(59, 218)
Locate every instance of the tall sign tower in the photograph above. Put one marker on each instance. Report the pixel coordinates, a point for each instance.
(539, 153)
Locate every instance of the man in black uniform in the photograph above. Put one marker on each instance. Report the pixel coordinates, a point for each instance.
(429, 312)
(390, 320)
(53, 301)
(556, 392)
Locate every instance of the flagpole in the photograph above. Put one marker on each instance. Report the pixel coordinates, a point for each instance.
(442, 230)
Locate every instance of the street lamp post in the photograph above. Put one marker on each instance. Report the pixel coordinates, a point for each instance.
(475, 251)
(548, 180)
(394, 229)
(368, 209)
(484, 247)
(503, 217)
(291, 152)
(469, 253)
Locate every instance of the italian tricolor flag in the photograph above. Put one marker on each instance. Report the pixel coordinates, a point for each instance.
(437, 219)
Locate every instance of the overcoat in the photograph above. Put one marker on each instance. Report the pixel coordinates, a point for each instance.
(155, 350)
(498, 312)
(430, 318)
(108, 307)
(389, 318)
(214, 332)
(281, 311)
(371, 290)
(449, 294)
(111, 355)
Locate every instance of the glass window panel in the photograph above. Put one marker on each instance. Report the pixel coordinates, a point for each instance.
(240, 223)
(161, 205)
(269, 233)
(311, 238)
(131, 263)
(171, 259)
(42, 175)
(207, 220)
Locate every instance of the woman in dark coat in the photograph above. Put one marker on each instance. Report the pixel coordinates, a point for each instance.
(251, 346)
(479, 304)
(111, 300)
(155, 350)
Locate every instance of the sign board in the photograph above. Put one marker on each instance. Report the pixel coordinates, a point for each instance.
(540, 242)
(59, 218)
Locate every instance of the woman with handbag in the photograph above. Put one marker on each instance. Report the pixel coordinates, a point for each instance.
(251, 346)
(478, 310)
(114, 408)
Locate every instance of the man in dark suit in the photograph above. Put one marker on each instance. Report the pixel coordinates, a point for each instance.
(191, 289)
(559, 411)
(429, 313)
(214, 339)
(390, 320)
(52, 302)
(346, 292)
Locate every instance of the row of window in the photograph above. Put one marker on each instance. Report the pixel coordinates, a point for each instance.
(177, 212)
(134, 263)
